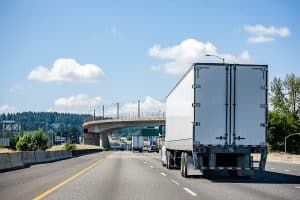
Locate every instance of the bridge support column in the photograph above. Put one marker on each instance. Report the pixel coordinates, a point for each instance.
(91, 139)
(104, 141)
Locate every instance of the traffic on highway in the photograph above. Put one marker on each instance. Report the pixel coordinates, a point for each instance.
(149, 100)
(133, 175)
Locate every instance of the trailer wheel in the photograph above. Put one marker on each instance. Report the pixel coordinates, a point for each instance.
(168, 158)
(183, 165)
(233, 173)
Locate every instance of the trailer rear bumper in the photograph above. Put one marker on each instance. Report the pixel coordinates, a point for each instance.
(229, 158)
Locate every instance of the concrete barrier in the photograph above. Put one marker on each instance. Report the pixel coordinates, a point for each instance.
(59, 155)
(5, 161)
(16, 160)
(67, 154)
(19, 159)
(40, 156)
(28, 157)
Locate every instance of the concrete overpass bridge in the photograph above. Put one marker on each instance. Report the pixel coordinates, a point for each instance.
(96, 131)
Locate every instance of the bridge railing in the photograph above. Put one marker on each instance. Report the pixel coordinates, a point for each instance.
(148, 115)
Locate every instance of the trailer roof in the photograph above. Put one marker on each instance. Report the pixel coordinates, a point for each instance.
(214, 64)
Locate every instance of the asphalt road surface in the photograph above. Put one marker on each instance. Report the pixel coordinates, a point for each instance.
(127, 175)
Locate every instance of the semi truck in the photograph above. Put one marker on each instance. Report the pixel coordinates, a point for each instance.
(137, 143)
(216, 119)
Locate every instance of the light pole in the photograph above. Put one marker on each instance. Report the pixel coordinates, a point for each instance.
(287, 138)
(221, 58)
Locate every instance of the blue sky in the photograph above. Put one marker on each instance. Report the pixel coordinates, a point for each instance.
(136, 49)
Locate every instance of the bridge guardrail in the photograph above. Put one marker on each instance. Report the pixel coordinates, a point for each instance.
(151, 115)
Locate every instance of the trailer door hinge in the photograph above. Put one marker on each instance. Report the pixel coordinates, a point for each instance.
(262, 125)
(263, 105)
(239, 138)
(196, 86)
(263, 87)
(195, 105)
(196, 123)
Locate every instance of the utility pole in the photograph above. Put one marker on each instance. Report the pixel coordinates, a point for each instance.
(118, 110)
(139, 108)
(103, 112)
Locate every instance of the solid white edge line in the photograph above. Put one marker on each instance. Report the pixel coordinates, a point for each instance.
(298, 187)
(175, 182)
(190, 192)
(163, 174)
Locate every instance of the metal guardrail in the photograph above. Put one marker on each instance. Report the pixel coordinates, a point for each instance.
(149, 115)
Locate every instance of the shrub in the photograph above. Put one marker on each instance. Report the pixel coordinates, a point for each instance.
(33, 140)
(69, 146)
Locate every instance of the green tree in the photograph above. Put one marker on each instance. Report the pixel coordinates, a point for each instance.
(278, 98)
(25, 143)
(292, 85)
(39, 140)
(32, 140)
(284, 119)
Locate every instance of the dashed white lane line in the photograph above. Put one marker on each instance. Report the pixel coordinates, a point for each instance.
(190, 192)
(272, 168)
(163, 174)
(145, 162)
(298, 187)
(175, 182)
(151, 166)
(287, 170)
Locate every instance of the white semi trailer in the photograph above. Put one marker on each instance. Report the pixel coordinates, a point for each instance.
(216, 117)
(137, 143)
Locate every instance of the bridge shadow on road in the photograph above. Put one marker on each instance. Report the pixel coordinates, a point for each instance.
(264, 177)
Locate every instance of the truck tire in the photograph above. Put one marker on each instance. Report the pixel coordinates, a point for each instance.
(183, 165)
(168, 158)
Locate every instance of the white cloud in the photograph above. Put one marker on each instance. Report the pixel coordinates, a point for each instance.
(179, 57)
(64, 70)
(80, 103)
(147, 106)
(260, 39)
(156, 68)
(261, 34)
(77, 100)
(8, 109)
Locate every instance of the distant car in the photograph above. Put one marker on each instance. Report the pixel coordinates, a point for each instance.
(153, 148)
(123, 147)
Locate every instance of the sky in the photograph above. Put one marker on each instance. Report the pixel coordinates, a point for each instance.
(74, 56)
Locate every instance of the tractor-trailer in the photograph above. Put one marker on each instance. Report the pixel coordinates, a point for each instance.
(216, 117)
(137, 143)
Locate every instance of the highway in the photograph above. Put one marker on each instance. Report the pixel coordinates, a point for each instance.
(127, 175)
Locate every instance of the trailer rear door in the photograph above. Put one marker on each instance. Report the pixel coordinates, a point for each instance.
(250, 113)
(210, 104)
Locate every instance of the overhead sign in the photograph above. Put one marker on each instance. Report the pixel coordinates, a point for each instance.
(150, 132)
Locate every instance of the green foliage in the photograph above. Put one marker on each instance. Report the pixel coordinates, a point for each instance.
(284, 119)
(39, 140)
(69, 147)
(25, 143)
(35, 120)
(32, 140)
(13, 138)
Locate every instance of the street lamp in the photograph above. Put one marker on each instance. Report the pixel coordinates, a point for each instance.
(221, 58)
(287, 138)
